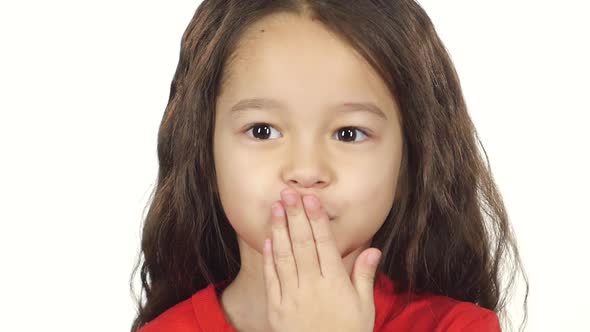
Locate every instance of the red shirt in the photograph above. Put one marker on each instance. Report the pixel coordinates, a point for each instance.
(202, 312)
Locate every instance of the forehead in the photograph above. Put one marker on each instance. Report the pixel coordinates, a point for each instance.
(301, 62)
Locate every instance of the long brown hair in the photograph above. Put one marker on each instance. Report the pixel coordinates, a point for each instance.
(447, 233)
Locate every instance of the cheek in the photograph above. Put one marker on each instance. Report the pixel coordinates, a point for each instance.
(245, 198)
(373, 187)
(372, 203)
(368, 202)
(241, 192)
(239, 203)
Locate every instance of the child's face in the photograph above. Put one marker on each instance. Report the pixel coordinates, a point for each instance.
(311, 74)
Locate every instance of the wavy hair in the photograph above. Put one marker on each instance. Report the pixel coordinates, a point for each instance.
(448, 232)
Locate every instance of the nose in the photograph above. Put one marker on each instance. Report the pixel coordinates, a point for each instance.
(307, 168)
(306, 180)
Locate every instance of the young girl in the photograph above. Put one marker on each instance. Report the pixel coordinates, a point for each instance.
(353, 110)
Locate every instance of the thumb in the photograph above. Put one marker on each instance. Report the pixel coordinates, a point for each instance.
(363, 274)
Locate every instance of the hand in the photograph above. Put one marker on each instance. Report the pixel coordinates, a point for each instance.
(307, 285)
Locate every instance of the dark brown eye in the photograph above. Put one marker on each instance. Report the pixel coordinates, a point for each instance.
(262, 131)
(348, 134)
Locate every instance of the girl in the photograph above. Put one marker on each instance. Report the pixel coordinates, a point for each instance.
(354, 110)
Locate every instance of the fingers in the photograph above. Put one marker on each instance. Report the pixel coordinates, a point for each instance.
(271, 280)
(330, 261)
(303, 247)
(281, 250)
(302, 239)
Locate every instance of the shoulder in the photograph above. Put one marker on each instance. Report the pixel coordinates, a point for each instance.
(179, 318)
(429, 312)
(466, 316)
(441, 313)
(201, 312)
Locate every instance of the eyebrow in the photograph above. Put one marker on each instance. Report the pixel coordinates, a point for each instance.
(266, 103)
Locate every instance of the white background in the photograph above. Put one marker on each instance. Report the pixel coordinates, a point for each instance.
(83, 86)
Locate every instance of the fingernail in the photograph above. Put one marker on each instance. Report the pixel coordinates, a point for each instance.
(310, 202)
(277, 210)
(373, 258)
(290, 198)
(267, 244)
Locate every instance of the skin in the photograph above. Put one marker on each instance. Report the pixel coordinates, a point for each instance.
(307, 285)
(312, 73)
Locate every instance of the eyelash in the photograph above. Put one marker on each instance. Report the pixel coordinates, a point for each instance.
(363, 131)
